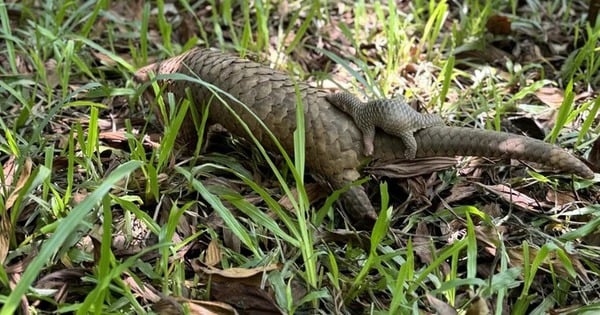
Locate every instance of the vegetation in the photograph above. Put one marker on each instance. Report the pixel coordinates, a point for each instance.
(101, 212)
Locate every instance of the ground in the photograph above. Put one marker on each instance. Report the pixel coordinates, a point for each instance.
(104, 211)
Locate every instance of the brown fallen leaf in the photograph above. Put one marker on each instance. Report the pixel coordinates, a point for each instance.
(513, 197)
(9, 169)
(560, 198)
(25, 68)
(231, 241)
(517, 260)
(411, 168)
(489, 237)
(314, 191)
(342, 236)
(5, 233)
(213, 254)
(62, 281)
(175, 306)
(594, 157)
(209, 308)
(240, 287)
(250, 299)
(143, 290)
(489, 54)
(499, 25)
(478, 306)
(23, 177)
(440, 306)
(460, 191)
(421, 243)
(550, 96)
(240, 273)
(168, 306)
(494, 210)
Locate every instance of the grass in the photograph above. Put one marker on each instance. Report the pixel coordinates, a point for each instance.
(98, 218)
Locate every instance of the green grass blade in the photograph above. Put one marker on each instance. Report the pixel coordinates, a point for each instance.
(66, 226)
(563, 112)
(223, 212)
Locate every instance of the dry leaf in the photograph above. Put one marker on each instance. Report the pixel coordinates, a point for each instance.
(513, 196)
(411, 168)
(79, 196)
(168, 306)
(478, 306)
(594, 157)
(144, 290)
(174, 306)
(492, 209)
(550, 96)
(6, 231)
(517, 260)
(9, 168)
(104, 59)
(238, 273)
(488, 236)
(314, 191)
(440, 306)
(421, 243)
(209, 308)
(61, 280)
(592, 239)
(24, 176)
(213, 254)
(560, 198)
(360, 239)
(460, 191)
(499, 25)
(52, 75)
(231, 241)
(251, 299)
